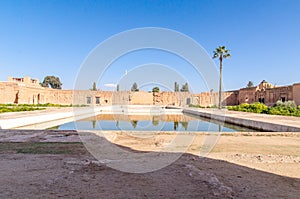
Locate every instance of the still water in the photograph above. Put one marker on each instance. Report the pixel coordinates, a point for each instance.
(180, 122)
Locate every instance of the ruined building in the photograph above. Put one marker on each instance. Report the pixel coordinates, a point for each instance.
(28, 91)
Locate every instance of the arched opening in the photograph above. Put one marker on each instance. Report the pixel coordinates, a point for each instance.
(17, 98)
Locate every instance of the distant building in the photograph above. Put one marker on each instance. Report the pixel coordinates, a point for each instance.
(28, 81)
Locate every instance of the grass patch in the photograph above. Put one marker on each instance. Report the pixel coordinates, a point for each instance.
(4, 109)
(31, 107)
(43, 105)
(199, 106)
(196, 106)
(42, 147)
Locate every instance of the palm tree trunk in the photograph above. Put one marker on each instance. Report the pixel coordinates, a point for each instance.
(220, 85)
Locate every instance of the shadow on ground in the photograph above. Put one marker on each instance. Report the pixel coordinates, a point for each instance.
(51, 170)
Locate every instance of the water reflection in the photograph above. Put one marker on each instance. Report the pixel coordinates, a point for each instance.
(179, 122)
(175, 125)
(134, 123)
(94, 124)
(155, 122)
(185, 125)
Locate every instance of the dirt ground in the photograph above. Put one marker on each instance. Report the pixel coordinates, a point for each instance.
(241, 165)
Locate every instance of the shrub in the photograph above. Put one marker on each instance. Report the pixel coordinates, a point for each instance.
(285, 108)
(274, 111)
(287, 104)
(258, 108)
(288, 108)
(196, 106)
(278, 103)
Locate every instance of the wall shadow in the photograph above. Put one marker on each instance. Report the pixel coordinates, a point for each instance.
(81, 175)
(192, 176)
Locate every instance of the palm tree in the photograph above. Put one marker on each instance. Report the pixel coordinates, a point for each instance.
(221, 53)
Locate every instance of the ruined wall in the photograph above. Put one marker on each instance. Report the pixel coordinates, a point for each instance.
(208, 99)
(91, 97)
(204, 99)
(296, 93)
(141, 97)
(268, 96)
(165, 98)
(283, 93)
(14, 92)
(247, 95)
(8, 92)
(25, 81)
(230, 98)
(121, 97)
(173, 98)
(105, 97)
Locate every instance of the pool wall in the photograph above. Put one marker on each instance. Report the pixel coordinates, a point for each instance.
(261, 122)
(50, 118)
(43, 120)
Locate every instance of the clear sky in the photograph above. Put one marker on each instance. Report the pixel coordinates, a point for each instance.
(40, 38)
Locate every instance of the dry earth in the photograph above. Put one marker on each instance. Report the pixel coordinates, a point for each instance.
(241, 165)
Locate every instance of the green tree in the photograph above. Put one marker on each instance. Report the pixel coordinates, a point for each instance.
(118, 88)
(94, 87)
(176, 87)
(185, 88)
(221, 53)
(52, 81)
(155, 89)
(250, 84)
(134, 87)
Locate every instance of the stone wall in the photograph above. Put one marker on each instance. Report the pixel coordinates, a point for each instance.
(20, 93)
(230, 98)
(25, 81)
(12, 92)
(268, 96)
(141, 97)
(205, 99)
(173, 98)
(283, 93)
(8, 92)
(296, 93)
(246, 95)
(208, 99)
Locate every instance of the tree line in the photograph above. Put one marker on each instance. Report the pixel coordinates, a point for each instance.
(184, 88)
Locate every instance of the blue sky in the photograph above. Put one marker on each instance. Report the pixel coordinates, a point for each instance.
(40, 38)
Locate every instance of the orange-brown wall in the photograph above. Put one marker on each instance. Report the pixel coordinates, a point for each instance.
(141, 97)
(246, 95)
(296, 93)
(12, 92)
(270, 95)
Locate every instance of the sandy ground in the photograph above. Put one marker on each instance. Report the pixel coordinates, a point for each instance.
(241, 165)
